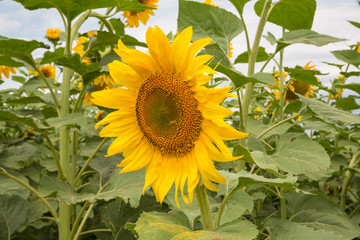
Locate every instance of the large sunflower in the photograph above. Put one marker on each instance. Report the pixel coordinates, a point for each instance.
(166, 121)
(133, 18)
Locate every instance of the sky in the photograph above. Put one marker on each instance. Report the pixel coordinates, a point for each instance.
(330, 18)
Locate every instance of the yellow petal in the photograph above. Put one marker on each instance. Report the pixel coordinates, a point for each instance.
(115, 98)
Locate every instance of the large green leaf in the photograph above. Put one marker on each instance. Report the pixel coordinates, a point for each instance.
(281, 230)
(256, 127)
(319, 212)
(352, 86)
(260, 57)
(72, 8)
(326, 111)
(9, 187)
(237, 204)
(347, 104)
(238, 229)
(127, 186)
(290, 14)
(239, 4)
(50, 57)
(305, 36)
(348, 56)
(14, 211)
(69, 119)
(304, 75)
(88, 72)
(16, 156)
(20, 49)
(8, 61)
(209, 21)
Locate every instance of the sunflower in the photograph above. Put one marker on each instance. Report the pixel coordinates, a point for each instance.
(47, 70)
(53, 34)
(230, 50)
(101, 83)
(210, 2)
(133, 18)
(299, 87)
(6, 71)
(166, 121)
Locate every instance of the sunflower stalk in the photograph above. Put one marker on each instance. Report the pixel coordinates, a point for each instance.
(204, 206)
(251, 69)
(347, 179)
(64, 208)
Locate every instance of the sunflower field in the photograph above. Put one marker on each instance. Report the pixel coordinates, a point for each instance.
(176, 137)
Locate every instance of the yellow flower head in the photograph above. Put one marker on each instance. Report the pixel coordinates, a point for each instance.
(53, 34)
(47, 70)
(230, 50)
(99, 115)
(6, 71)
(91, 34)
(133, 18)
(104, 80)
(210, 2)
(357, 48)
(79, 48)
(165, 120)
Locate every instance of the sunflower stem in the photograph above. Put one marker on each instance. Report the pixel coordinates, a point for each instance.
(347, 179)
(64, 208)
(204, 206)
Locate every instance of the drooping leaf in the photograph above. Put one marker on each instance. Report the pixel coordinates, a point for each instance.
(348, 56)
(25, 100)
(326, 111)
(88, 72)
(209, 21)
(305, 36)
(50, 57)
(290, 14)
(8, 61)
(304, 75)
(12, 117)
(352, 86)
(118, 26)
(355, 24)
(347, 104)
(237, 204)
(20, 49)
(69, 119)
(72, 8)
(9, 187)
(282, 230)
(13, 211)
(319, 213)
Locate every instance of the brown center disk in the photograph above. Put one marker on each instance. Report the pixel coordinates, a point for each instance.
(167, 113)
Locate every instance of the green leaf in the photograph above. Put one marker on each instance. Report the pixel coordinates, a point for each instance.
(355, 24)
(50, 57)
(239, 4)
(319, 212)
(301, 156)
(238, 229)
(12, 117)
(4, 228)
(69, 119)
(262, 77)
(305, 36)
(88, 72)
(161, 226)
(8, 61)
(127, 186)
(260, 57)
(25, 100)
(72, 8)
(20, 49)
(256, 127)
(347, 104)
(326, 111)
(9, 187)
(13, 211)
(348, 56)
(304, 75)
(118, 26)
(239, 150)
(235, 207)
(209, 21)
(219, 56)
(350, 74)
(290, 14)
(352, 86)
(281, 230)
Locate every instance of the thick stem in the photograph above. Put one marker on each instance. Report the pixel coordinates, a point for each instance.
(64, 208)
(204, 206)
(347, 179)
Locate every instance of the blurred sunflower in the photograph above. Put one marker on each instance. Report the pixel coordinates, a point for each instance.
(101, 83)
(53, 34)
(133, 18)
(337, 92)
(166, 121)
(210, 2)
(230, 50)
(80, 49)
(48, 71)
(7, 70)
(293, 86)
